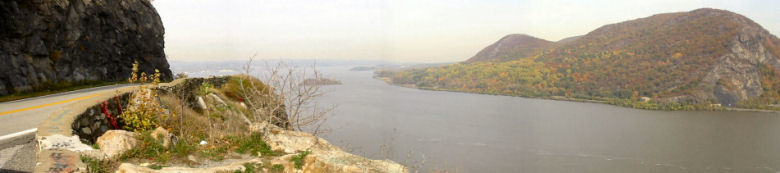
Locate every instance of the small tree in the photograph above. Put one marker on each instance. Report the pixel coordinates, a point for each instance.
(143, 109)
(285, 100)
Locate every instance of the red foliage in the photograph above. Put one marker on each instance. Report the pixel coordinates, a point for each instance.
(104, 108)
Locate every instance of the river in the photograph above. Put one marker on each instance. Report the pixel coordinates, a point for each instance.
(463, 132)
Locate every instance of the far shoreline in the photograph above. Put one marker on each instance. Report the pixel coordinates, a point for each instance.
(562, 98)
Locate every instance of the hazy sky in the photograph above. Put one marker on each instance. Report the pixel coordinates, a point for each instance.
(399, 30)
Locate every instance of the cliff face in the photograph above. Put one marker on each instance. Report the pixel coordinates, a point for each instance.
(52, 41)
(736, 75)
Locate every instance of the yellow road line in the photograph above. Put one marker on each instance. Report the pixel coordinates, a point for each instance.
(50, 104)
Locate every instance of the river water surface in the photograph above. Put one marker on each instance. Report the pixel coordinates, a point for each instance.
(464, 132)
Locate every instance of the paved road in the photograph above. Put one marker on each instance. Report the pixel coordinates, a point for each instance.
(18, 120)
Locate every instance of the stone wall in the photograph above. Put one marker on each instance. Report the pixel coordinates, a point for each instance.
(93, 122)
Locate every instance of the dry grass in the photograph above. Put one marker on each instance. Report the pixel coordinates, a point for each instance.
(185, 121)
(233, 88)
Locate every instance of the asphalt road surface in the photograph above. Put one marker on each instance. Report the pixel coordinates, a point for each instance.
(20, 118)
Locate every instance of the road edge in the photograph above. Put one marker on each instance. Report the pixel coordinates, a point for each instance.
(16, 135)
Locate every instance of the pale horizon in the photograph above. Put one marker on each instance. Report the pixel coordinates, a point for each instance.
(397, 31)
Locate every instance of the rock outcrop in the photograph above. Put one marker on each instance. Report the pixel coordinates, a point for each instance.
(45, 43)
(324, 157)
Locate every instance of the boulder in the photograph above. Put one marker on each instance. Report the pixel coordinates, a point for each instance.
(115, 142)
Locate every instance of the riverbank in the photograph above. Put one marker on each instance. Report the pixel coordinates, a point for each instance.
(646, 105)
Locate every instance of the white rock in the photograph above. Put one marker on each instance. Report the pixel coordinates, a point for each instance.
(202, 103)
(58, 141)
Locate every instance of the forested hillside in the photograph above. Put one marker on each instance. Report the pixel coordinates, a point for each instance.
(511, 47)
(688, 60)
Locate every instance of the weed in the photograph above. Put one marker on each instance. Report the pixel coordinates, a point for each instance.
(149, 148)
(217, 116)
(217, 153)
(183, 148)
(277, 168)
(298, 159)
(155, 166)
(93, 165)
(254, 144)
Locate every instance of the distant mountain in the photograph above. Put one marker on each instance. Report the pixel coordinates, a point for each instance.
(675, 60)
(568, 39)
(511, 47)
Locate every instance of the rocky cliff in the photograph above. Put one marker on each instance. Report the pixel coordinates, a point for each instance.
(45, 42)
(737, 74)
